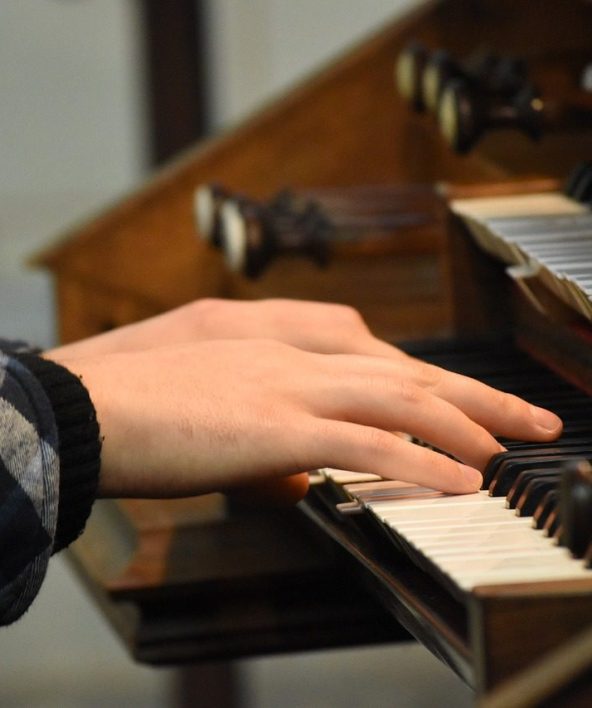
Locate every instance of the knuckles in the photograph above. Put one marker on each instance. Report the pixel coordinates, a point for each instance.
(408, 393)
(207, 311)
(380, 442)
(427, 376)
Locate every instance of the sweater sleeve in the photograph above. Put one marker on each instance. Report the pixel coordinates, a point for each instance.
(49, 465)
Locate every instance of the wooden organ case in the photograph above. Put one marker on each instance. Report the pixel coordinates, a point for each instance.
(207, 578)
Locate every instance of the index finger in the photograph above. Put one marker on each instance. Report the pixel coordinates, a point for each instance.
(500, 413)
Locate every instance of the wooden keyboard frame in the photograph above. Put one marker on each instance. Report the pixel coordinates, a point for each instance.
(496, 632)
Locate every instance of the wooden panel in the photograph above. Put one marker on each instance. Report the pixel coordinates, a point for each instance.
(86, 308)
(343, 126)
(480, 290)
(561, 678)
(510, 632)
(185, 580)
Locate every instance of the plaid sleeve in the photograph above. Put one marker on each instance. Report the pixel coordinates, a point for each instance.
(29, 486)
(17, 346)
(49, 469)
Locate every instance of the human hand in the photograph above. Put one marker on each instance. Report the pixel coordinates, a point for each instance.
(313, 326)
(218, 415)
(321, 327)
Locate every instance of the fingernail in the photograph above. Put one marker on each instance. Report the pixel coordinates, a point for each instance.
(471, 476)
(545, 419)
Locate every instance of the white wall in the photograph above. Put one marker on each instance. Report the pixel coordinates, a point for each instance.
(70, 112)
(261, 46)
(71, 133)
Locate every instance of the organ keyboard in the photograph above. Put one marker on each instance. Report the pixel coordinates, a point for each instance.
(470, 540)
(542, 237)
(475, 553)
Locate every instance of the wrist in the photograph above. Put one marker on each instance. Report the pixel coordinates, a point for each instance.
(79, 444)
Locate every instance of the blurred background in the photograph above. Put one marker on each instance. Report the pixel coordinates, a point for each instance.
(79, 130)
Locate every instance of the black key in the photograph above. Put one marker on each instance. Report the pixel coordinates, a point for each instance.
(577, 437)
(544, 509)
(574, 177)
(582, 190)
(552, 524)
(576, 506)
(502, 482)
(576, 427)
(522, 481)
(504, 462)
(495, 463)
(580, 407)
(534, 493)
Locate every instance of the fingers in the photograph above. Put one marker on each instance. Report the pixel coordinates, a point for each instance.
(365, 449)
(390, 403)
(498, 412)
(501, 413)
(283, 491)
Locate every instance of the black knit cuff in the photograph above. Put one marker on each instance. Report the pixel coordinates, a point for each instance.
(79, 445)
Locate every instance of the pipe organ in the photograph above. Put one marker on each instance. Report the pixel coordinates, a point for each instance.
(432, 212)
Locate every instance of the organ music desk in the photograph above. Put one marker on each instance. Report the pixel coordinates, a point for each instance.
(206, 578)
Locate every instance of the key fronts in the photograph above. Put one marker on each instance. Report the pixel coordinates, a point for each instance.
(535, 511)
(550, 482)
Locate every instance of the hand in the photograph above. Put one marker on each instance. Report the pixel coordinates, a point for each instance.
(321, 327)
(313, 326)
(217, 415)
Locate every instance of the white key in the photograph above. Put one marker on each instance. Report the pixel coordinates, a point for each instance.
(487, 537)
(347, 476)
(543, 573)
(474, 539)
